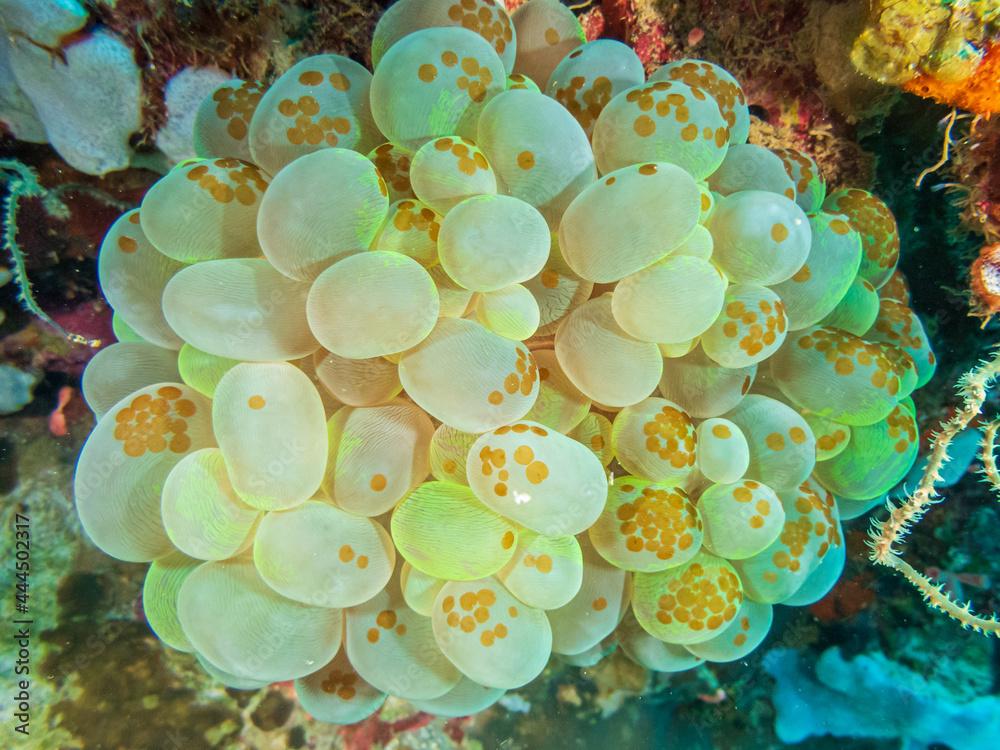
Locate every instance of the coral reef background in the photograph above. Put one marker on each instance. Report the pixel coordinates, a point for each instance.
(878, 92)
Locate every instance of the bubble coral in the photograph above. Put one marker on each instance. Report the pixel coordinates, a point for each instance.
(363, 426)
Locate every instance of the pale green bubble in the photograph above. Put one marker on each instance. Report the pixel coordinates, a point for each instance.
(133, 275)
(605, 363)
(717, 81)
(670, 302)
(603, 215)
(594, 432)
(750, 167)
(897, 324)
(688, 604)
(723, 453)
(393, 163)
(201, 370)
(442, 530)
(546, 32)
(319, 209)
(228, 679)
(538, 478)
(857, 309)
(820, 284)
(750, 329)
(419, 589)
(393, 648)
(447, 170)
(811, 530)
(745, 633)
(411, 228)
(759, 237)
(876, 459)
(159, 597)
(821, 580)
(142, 437)
(494, 639)
(271, 427)
(357, 382)
(122, 330)
(465, 699)
(871, 218)
(741, 519)
(656, 439)
(319, 103)
(469, 377)
(487, 18)
(205, 210)
(698, 244)
(320, 555)
(590, 76)
(782, 446)
(240, 308)
(341, 300)
(337, 694)
(220, 128)
(448, 453)
(511, 312)
(376, 455)
(417, 92)
(539, 152)
(840, 376)
(646, 526)
(490, 241)
(594, 611)
(810, 187)
(545, 572)
(244, 627)
(831, 437)
(702, 388)
(454, 299)
(202, 514)
(662, 121)
(650, 652)
(123, 368)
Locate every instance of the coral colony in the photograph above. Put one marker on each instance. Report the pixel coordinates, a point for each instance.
(500, 351)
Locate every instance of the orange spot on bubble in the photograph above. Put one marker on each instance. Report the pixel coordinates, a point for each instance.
(537, 472)
(644, 126)
(427, 73)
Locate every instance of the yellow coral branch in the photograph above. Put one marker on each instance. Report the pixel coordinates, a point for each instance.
(936, 598)
(944, 149)
(887, 536)
(989, 445)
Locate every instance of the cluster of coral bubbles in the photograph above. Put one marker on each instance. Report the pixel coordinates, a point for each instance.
(427, 374)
